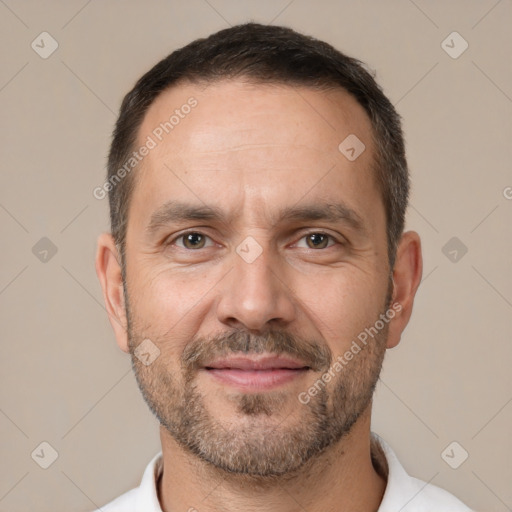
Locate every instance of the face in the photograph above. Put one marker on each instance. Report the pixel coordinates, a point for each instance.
(255, 256)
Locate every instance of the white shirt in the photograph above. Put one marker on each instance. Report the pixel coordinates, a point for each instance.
(403, 493)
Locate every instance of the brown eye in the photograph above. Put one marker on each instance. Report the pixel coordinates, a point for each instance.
(317, 240)
(193, 240)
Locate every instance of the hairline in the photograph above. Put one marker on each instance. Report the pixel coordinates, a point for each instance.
(323, 85)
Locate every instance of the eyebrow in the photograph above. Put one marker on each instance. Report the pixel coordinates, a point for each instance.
(175, 211)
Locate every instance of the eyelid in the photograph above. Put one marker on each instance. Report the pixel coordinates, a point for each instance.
(336, 239)
(181, 235)
(172, 240)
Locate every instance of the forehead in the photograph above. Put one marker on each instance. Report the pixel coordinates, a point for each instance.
(232, 142)
(233, 114)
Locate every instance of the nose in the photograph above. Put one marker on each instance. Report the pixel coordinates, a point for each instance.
(255, 294)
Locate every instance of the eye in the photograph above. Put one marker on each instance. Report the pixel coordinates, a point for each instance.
(191, 240)
(318, 240)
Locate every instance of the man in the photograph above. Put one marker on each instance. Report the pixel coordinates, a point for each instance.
(257, 271)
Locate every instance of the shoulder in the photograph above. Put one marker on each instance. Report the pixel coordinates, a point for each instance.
(407, 493)
(144, 497)
(123, 503)
(429, 495)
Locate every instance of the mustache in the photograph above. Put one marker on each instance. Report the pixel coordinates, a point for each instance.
(201, 351)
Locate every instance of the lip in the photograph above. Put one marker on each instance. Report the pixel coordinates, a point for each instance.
(256, 373)
(256, 363)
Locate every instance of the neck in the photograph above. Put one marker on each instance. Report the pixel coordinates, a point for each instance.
(341, 478)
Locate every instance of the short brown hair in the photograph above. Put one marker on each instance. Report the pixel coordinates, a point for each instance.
(265, 54)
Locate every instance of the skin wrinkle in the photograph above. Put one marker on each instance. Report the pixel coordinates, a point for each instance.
(192, 399)
(184, 416)
(197, 305)
(248, 146)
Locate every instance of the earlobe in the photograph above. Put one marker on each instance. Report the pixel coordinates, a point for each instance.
(406, 279)
(109, 274)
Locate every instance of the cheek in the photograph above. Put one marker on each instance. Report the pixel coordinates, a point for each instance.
(341, 304)
(169, 304)
(172, 292)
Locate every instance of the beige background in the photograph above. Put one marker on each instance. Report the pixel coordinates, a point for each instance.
(63, 379)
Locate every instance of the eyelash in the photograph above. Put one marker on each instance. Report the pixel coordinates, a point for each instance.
(182, 235)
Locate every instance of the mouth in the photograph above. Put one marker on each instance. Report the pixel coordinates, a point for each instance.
(256, 373)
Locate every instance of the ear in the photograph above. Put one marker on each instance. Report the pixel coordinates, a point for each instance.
(406, 279)
(108, 270)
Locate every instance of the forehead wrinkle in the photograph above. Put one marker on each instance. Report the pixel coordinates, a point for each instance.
(175, 211)
(241, 147)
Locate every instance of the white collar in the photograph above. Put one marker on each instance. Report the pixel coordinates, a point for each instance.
(403, 493)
